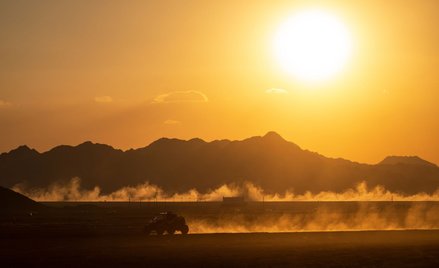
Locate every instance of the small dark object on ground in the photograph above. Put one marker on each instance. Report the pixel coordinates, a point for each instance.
(167, 222)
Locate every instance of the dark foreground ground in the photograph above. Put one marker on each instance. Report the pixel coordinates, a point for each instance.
(110, 235)
(312, 249)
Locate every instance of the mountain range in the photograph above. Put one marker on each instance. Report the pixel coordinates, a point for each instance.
(268, 161)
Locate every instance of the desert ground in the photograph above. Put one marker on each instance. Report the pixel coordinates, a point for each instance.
(110, 234)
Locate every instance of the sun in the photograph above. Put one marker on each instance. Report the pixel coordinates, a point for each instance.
(313, 45)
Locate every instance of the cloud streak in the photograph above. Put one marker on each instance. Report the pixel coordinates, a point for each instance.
(5, 104)
(276, 91)
(181, 96)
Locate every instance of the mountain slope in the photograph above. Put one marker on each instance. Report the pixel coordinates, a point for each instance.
(11, 201)
(177, 165)
(409, 160)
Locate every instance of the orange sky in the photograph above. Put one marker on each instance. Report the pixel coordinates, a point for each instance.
(128, 72)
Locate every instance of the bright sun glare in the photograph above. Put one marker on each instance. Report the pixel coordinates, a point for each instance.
(313, 45)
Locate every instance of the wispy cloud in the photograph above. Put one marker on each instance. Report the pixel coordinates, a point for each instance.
(171, 122)
(5, 104)
(181, 96)
(276, 91)
(103, 99)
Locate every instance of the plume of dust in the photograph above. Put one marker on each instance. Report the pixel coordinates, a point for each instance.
(72, 191)
(366, 217)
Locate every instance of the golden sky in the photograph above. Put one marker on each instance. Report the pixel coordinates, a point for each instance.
(128, 72)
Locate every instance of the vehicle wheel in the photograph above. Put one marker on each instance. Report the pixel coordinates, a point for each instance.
(184, 229)
(171, 231)
(160, 231)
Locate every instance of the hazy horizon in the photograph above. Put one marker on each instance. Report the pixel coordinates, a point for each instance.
(128, 73)
(209, 141)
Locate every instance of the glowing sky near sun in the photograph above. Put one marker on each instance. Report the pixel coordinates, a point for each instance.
(313, 45)
(128, 72)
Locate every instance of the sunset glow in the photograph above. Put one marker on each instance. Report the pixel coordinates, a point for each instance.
(313, 45)
(73, 71)
(203, 133)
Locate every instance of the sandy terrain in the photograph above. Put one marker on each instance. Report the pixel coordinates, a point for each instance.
(317, 249)
(91, 235)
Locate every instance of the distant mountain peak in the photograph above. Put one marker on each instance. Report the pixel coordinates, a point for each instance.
(23, 150)
(411, 160)
(86, 143)
(197, 140)
(272, 135)
(270, 139)
(170, 141)
(163, 140)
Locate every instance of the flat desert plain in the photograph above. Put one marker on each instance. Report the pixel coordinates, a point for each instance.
(91, 235)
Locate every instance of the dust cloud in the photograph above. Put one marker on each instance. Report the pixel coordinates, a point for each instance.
(269, 216)
(72, 191)
(366, 217)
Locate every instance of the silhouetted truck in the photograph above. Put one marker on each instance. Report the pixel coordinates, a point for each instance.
(166, 222)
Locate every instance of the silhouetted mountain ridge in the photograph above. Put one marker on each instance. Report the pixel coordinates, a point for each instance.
(11, 201)
(179, 165)
(410, 160)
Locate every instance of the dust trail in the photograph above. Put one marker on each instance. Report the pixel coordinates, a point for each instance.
(72, 191)
(257, 217)
(366, 217)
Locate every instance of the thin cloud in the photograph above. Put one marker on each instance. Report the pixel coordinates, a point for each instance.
(171, 122)
(103, 99)
(276, 91)
(5, 104)
(181, 96)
